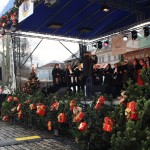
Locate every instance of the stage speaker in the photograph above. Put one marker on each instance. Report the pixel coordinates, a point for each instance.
(82, 49)
(98, 89)
(63, 91)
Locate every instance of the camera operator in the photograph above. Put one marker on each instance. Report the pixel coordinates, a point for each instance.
(88, 61)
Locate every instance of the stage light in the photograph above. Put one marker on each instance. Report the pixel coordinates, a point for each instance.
(105, 8)
(134, 34)
(125, 38)
(106, 43)
(50, 2)
(47, 3)
(94, 45)
(99, 43)
(146, 31)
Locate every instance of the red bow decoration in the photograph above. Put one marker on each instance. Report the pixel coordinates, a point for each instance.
(32, 106)
(62, 118)
(72, 104)
(20, 114)
(9, 99)
(54, 106)
(19, 107)
(131, 112)
(83, 126)
(79, 117)
(41, 110)
(100, 102)
(108, 124)
(49, 125)
(6, 118)
(16, 99)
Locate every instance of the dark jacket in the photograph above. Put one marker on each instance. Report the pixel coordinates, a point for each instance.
(79, 76)
(70, 78)
(56, 73)
(88, 63)
(107, 76)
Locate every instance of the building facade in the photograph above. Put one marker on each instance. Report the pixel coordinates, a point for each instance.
(45, 72)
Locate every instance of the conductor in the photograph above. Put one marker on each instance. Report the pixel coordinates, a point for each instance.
(88, 61)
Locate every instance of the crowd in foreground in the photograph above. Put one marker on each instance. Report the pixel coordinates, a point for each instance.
(111, 78)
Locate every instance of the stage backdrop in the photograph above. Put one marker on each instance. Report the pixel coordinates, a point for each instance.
(118, 45)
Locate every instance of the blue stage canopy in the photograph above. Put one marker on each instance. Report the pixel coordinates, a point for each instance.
(84, 19)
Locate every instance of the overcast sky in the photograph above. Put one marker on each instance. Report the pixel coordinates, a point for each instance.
(3, 3)
(50, 50)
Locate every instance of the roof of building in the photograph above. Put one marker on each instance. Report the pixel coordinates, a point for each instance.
(52, 63)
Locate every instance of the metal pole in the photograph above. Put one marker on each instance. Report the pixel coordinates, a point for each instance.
(69, 50)
(31, 54)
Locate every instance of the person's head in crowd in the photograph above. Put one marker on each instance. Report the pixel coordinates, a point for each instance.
(108, 66)
(125, 62)
(88, 54)
(115, 65)
(94, 66)
(118, 64)
(56, 66)
(135, 61)
(79, 66)
(69, 67)
(147, 58)
(142, 61)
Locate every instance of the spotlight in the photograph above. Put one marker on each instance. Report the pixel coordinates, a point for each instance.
(125, 38)
(105, 8)
(106, 43)
(146, 31)
(134, 34)
(50, 2)
(99, 43)
(94, 45)
(47, 3)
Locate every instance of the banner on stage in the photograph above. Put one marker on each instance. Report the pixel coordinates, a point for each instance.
(118, 45)
(25, 10)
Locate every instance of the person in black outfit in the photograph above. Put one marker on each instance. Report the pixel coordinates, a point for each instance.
(70, 78)
(80, 78)
(96, 76)
(134, 70)
(88, 61)
(125, 72)
(63, 78)
(56, 73)
(116, 80)
(107, 72)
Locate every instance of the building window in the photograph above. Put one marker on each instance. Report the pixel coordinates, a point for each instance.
(99, 60)
(109, 59)
(102, 59)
